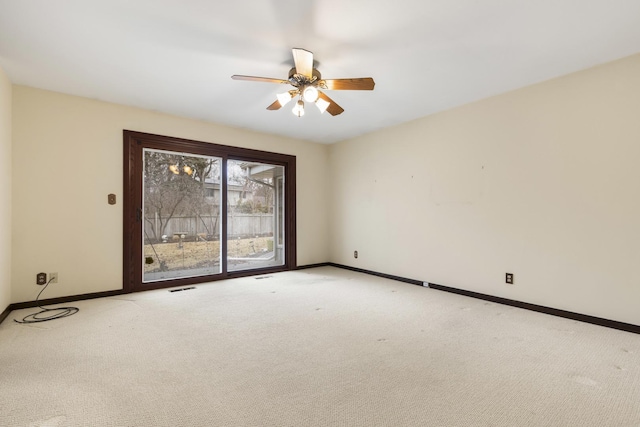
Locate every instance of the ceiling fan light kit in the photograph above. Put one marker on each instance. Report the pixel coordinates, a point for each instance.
(307, 82)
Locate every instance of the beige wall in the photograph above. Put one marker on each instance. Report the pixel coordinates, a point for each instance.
(67, 153)
(5, 190)
(542, 182)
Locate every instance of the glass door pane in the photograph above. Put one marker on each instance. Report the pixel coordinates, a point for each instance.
(181, 215)
(255, 215)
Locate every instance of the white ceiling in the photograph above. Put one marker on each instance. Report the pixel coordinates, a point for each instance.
(177, 56)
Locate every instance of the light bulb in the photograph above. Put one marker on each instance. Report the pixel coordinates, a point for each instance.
(298, 109)
(174, 169)
(310, 93)
(187, 170)
(322, 105)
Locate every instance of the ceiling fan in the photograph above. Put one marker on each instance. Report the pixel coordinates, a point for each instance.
(307, 82)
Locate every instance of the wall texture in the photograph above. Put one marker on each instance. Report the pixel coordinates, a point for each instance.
(67, 154)
(542, 182)
(5, 190)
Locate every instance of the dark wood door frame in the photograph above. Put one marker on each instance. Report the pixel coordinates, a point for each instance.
(134, 143)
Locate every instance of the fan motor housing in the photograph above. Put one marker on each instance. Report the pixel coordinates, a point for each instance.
(298, 80)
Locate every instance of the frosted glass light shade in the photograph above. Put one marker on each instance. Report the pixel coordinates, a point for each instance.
(283, 98)
(298, 109)
(322, 105)
(310, 94)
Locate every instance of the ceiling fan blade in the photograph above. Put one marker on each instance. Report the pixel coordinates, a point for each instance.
(304, 62)
(258, 79)
(363, 83)
(275, 106)
(333, 108)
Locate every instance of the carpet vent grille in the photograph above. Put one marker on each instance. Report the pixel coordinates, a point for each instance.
(263, 277)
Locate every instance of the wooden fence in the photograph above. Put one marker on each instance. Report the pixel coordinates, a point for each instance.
(238, 225)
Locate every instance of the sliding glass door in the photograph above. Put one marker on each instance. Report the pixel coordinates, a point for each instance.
(254, 215)
(181, 208)
(197, 211)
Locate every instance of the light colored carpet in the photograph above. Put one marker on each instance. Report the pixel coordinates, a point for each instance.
(320, 347)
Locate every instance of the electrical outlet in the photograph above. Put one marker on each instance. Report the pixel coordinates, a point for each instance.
(509, 278)
(355, 254)
(41, 279)
(53, 277)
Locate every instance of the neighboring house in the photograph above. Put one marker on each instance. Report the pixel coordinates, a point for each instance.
(212, 192)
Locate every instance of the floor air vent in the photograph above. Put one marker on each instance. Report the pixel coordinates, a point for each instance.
(182, 289)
